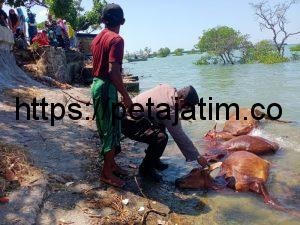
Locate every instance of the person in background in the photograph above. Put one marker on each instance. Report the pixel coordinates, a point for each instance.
(71, 34)
(80, 47)
(51, 34)
(59, 34)
(22, 21)
(32, 26)
(20, 39)
(64, 27)
(41, 38)
(63, 24)
(108, 50)
(50, 19)
(3, 16)
(13, 20)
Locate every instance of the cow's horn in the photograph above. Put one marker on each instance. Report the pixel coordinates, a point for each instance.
(215, 166)
(215, 127)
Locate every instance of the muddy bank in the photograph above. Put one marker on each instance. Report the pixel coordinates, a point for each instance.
(68, 190)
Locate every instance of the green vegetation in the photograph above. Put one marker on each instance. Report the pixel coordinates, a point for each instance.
(224, 44)
(221, 42)
(263, 52)
(207, 60)
(41, 25)
(69, 10)
(295, 52)
(178, 52)
(163, 52)
(295, 48)
(192, 52)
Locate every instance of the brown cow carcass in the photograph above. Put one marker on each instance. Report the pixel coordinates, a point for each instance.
(233, 127)
(243, 171)
(253, 144)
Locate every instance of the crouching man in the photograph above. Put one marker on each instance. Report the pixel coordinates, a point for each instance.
(150, 129)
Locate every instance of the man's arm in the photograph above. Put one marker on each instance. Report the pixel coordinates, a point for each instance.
(116, 78)
(184, 143)
(115, 67)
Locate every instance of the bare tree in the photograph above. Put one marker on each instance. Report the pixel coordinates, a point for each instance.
(274, 18)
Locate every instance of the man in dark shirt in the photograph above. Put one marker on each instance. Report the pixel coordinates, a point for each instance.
(3, 16)
(108, 50)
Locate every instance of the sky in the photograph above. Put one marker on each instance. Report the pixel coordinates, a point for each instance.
(178, 24)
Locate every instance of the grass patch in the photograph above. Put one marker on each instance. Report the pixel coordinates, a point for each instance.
(15, 168)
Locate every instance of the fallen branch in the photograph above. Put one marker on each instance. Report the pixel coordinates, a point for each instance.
(86, 211)
(146, 214)
(78, 100)
(151, 210)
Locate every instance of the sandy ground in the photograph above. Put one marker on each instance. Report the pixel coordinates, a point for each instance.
(68, 190)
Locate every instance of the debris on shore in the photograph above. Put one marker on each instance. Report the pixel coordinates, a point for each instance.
(16, 169)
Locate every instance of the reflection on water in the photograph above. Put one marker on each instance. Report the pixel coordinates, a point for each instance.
(246, 85)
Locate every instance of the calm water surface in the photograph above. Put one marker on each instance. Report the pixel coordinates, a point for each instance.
(245, 85)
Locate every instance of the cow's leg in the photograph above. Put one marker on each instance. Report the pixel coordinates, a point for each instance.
(261, 189)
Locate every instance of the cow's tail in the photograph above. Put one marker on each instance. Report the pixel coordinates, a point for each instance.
(274, 204)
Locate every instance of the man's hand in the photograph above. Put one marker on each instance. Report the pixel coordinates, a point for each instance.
(202, 161)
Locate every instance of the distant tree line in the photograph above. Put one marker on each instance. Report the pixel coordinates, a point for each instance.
(163, 52)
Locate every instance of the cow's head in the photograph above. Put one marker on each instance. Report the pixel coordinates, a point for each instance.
(196, 179)
(218, 135)
(212, 134)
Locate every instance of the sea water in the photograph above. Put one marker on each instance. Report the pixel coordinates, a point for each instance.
(245, 85)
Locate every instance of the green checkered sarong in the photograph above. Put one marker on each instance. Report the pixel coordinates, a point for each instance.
(105, 96)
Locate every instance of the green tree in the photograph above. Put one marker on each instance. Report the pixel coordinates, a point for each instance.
(264, 52)
(179, 52)
(164, 52)
(41, 25)
(71, 11)
(221, 42)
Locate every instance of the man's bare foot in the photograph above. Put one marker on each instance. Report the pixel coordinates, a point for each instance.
(112, 180)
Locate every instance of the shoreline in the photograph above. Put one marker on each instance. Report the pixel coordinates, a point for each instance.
(68, 188)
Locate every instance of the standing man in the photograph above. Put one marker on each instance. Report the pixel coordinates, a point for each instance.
(3, 16)
(32, 26)
(108, 50)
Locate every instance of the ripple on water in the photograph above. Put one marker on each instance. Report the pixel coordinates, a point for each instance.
(245, 85)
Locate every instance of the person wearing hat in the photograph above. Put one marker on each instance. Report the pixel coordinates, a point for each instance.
(32, 25)
(108, 50)
(152, 124)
